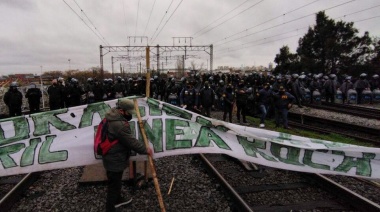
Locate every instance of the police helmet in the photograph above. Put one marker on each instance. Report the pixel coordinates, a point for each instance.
(325, 77)
(221, 82)
(32, 85)
(14, 84)
(348, 78)
(376, 76)
(303, 76)
(294, 76)
(332, 76)
(151, 79)
(155, 77)
(363, 75)
(60, 79)
(88, 80)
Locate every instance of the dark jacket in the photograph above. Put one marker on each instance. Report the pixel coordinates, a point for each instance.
(281, 101)
(13, 98)
(116, 159)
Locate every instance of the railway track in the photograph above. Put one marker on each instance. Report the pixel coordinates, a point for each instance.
(11, 196)
(363, 112)
(288, 191)
(362, 133)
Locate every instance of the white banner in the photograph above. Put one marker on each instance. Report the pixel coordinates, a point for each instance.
(64, 138)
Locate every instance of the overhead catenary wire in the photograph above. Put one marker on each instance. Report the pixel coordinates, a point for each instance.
(245, 46)
(363, 10)
(84, 22)
(166, 12)
(138, 6)
(272, 19)
(220, 18)
(125, 17)
(91, 22)
(167, 20)
(149, 17)
(296, 19)
(230, 18)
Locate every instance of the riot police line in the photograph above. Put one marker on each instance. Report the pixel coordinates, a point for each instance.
(250, 94)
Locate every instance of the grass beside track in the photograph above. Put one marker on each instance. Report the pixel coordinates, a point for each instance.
(271, 125)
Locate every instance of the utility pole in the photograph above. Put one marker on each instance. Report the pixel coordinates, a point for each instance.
(140, 70)
(113, 77)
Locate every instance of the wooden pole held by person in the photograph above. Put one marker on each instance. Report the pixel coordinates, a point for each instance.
(151, 163)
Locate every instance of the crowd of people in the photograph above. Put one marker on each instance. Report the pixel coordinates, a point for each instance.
(250, 94)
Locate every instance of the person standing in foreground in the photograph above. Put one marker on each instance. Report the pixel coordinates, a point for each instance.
(116, 159)
(282, 103)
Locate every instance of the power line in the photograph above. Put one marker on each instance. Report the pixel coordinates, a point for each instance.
(91, 22)
(363, 10)
(230, 18)
(219, 18)
(84, 22)
(286, 22)
(267, 21)
(295, 30)
(166, 12)
(149, 16)
(138, 6)
(125, 17)
(167, 20)
(373, 17)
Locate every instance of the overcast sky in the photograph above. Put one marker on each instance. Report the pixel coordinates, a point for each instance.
(37, 33)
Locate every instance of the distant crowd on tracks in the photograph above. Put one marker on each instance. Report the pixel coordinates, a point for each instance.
(250, 94)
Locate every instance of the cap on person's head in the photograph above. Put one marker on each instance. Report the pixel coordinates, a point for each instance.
(126, 105)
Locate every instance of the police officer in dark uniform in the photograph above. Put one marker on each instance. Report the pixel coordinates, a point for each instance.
(187, 97)
(33, 95)
(241, 101)
(75, 93)
(205, 99)
(119, 88)
(282, 103)
(13, 99)
(55, 96)
(228, 102)
(90, 96)
(360, 85)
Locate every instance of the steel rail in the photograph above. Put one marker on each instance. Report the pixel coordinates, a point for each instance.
(11, 197)
(240, 201)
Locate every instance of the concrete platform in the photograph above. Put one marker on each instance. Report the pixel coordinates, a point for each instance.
(96, 173)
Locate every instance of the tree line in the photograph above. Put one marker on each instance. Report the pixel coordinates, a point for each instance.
(331, 47)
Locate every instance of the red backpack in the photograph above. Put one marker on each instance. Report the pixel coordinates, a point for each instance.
(101, 142)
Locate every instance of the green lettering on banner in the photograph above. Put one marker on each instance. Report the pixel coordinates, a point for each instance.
(172, 110)
(307, 160)
(154, 107)
(292, 154)
(204, 122)
(363, 165)
(27, 157)
(154, 134)
(5, 153)
(42, 121)
(88, 113)
(171, 132)
(21, 129)
(328, 144)
(45, 156)
(251, 147)
(281, 137)
(205, 137)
